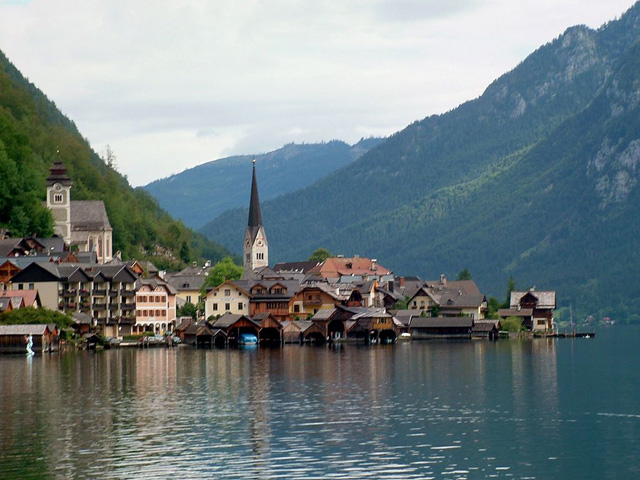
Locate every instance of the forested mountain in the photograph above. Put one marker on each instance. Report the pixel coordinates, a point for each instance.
(32, 129)
(536, 179)
(200, 194)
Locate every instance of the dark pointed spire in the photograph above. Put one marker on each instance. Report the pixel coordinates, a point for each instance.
(255, 217)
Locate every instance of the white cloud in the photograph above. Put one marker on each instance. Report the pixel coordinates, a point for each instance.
(173, 84)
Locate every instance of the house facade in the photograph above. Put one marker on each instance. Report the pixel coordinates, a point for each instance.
(155, 306)
(228, 297)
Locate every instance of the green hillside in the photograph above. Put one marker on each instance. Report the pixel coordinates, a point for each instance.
(32, 129)
(537, 179)
(198, 195)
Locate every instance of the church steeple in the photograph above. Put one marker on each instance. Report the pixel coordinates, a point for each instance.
(256, 250)
(255, 216)
(59, 198)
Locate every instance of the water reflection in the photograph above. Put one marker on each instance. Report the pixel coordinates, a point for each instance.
(422, 410)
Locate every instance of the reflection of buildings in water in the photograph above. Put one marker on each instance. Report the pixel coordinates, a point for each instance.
(258, 403)
(535, 390)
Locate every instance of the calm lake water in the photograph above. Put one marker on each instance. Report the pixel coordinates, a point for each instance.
(544, 409)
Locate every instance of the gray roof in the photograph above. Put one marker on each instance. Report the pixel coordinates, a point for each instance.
(442, 322)
(89, 215)
(81, 318)
(324, 314)
(186, 282)
(35, 329)
(485, 326)
(4, 304)
(154, 283)
(546, 299)
(304, 325)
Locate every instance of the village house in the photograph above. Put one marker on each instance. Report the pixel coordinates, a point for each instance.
(534, 308)
(188, 283)
(313, 297)
(228, 297)
(155, 306)
(274, 297)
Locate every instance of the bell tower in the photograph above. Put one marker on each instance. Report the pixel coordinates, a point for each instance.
(256, 249)
(59, 199)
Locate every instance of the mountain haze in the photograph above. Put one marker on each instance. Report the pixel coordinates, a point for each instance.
(537, 178)
(198, 195)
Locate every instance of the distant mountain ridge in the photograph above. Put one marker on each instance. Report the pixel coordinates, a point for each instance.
(537, 178)
(199, 194)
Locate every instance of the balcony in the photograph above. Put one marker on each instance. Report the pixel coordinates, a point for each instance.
(99, 306)
(101, 292)
(128, 293)
(84, 292)
(128, 306)
(113, 293)
(69, 293)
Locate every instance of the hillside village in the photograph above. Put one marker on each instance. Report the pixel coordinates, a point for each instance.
(335, 300)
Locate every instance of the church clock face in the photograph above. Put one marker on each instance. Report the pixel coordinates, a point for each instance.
(58, 187)
(260, 243)
(247, 243)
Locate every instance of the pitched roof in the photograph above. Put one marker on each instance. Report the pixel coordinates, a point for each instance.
(335, 267)
(186, 282)
(154, 283)
(32, 329)
(546, 298)
(89, 215)
(5, 303)
(484, 326)
(30, 297)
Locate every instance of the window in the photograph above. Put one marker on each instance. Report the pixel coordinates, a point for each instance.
(189, 298)
(145, 313)
(227, 306)
(260, 256)
(151, 313)
(138, 313)
(32, 286)
(239, 305)
(215, 307)
(57, 198)
(164, 313)
(227, 292)
(296, 308)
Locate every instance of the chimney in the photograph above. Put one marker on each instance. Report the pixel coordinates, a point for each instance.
(119, 255)
(443, 279)
(194, 264)
(374, 262)
(390, 286)
(402, 281)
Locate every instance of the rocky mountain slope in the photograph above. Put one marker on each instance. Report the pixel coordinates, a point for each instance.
(536, 179)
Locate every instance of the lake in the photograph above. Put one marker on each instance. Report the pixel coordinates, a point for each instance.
(525, 409)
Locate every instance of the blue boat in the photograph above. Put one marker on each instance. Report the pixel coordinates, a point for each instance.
(247, 339)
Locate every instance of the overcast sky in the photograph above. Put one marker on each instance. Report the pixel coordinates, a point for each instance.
(170, 84)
